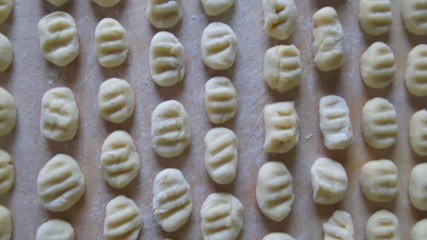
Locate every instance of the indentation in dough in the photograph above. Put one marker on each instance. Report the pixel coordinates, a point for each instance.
(418, 187)
(419, 230)
(378, 180)
(7, 112)
(280, 18)
(216, 7)
(7, 172)
(5, 223)
(220, 99)
(106, 3)
(116, 100)
(377, 66)
(339, 227)
(416, 70)
(6, 54)
(382, 225)
(164, 13)
(375, 16)
(414, 15)
(418, 132)
(111, 44)
(55, 229)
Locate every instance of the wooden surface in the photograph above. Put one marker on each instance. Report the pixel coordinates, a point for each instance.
(30, 76)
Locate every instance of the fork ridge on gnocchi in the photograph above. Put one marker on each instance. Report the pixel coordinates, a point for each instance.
(418, 132)
(377, 65)
(55, 229)
(418, 186)
(383, 224)
(414, 16)
(339, 227)
(220, 99)
(5, 223)
(6, 53)
(106, 3)
(280, 18)
(375, 16)
(216, 7)
(7, 112)
(111, 43)
(164, 13)
(416, 71)
(7, 172)
(378, 180)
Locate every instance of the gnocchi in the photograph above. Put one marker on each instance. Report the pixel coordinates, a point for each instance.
(106, 3)
(418, 132)
(7, 112)
(58, 3)
(166, 59)
(339, 227)
(328, 39)
(375, 16)
(282, 67)
(7, 172)
(418, 186)
(328, 180)
(379, 123)
(221, 156)
(416, 71)
(216, 7)
(335, 123)
(58, 36)
(219, 46)
(414, 16)
(281, 127)
(378, 180)
(116, 100)
(170, 129)
(5, 224)
(60, 183)
(172, 201)
(55, 229)
(164, 13)
(280, 18)
(220, 99)
(120, 161)
(6, 7)
(419, 230)
(382, 223)
(6, 54)
(377, 66)
(274, 190)
(59, 117)
(278, 236)
(222, 217)
(123, 220)
(110, 42)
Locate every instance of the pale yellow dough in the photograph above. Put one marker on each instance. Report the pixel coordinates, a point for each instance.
(378, 180)
(375, 16)
(416, 71)
(164, 13)
(110, 43)
(116, 100)
(216, 7)
(5, 224)
(383, 223)
(6, 53)
(7, 172)
(419, 230)
(414, 16)
(377, 65)
(55, 229)
(106, 3)
(220, 99)
(418, 132)
(280, 18)
(58, 3)
(418, 186)
(339, 227)
(7, 112)
(278, 236)
(6, 7)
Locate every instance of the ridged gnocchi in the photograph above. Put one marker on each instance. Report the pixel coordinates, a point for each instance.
(328, 39)
(172, 200)
(274, 190)
(419, 230)
(58, 36)
(55, 229)
(110, 43)
(281, 127)
(6, 7)
(120, 161)
(222, 217)
(375, 16)
(216, 7)
(382, 225)
(106, 3)
(6, 54)
(58, 3)
(5, 224)
(282, 67)
(416, 71)
(7, 112)
(7, 172)
(379, 123)
(123, 220)
(170, 129)
(378, 180)
(59, 117)
(377, 66)
(278, 236)
(328, 180)
(164, 13)
(280, 18)
(335, 123)
(219, 46)
(418, 186)
(60, 183)
(418, 132)
(221, 156)
(339, 227)
(166, 59)
(220, 99)
(116, 100)
(414, 16)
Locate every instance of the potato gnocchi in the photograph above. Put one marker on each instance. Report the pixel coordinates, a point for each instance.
(6, 54)
(216, 7)
(280, 18)
(59, 117)
(414, 16)
(166, 59)
(7, 112)
(123, 220)
(274, 190)
(106, 3)
(416, 71)
(221, 156)
(55, 229)
(5, 224)
(278, 236)
(164, 13)
(328, 180)
(6, 7)
(58, 3)
(383, 225)
(281, 127)
(110, 42)
(219, 46)
(377, 66)
(379, 123)
(58, 36)
(172, 200)
(170, 129)
(418, 132)
(60, 183)
(282, 67)
(418, 186)
(120, 161)
(375, 16)
(222, 217)
(378, 180)
(419, 230)
(335, 123)
(328, 39)
(116, 100)
(220, 99)
(339, 227)
(7, 172)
